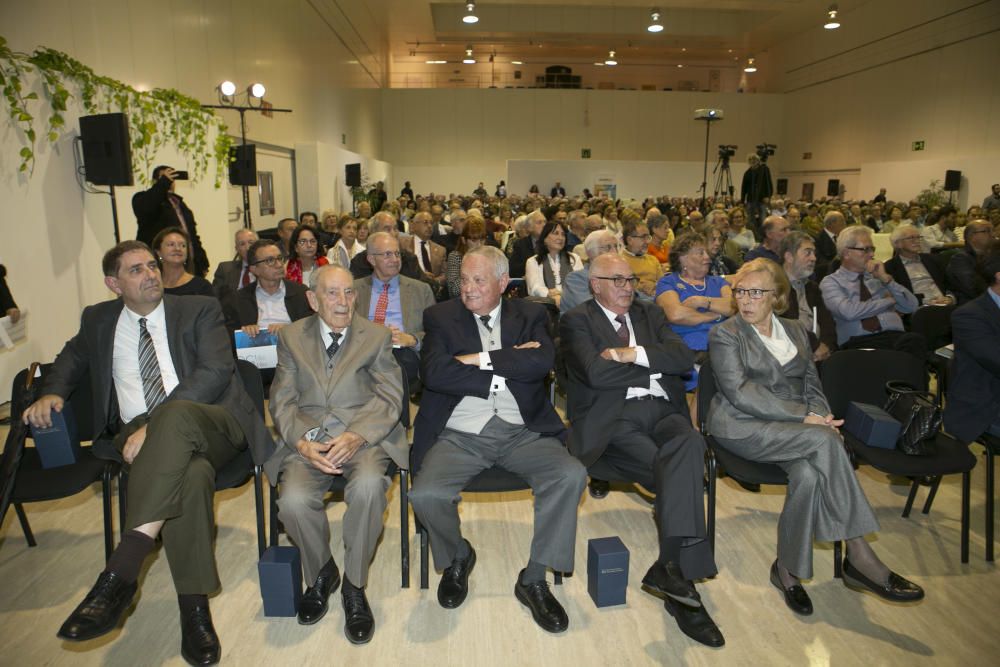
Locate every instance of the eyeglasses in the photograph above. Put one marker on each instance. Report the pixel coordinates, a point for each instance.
(865, 249)
(306, 242)
(387, 253)
(644, 237)
(611, 247)
(754, 293)
(908, 238)
(270, 261)
(620, 281)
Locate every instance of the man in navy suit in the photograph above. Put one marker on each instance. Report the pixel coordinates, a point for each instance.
(973, 406)
(483, 363)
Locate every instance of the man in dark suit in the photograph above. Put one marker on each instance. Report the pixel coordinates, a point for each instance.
(484, 362)
(166, 389)
(526, 248)
(629, 420)
(557, 190)
(805, 299)
(917, 271)
(232, 275)
(394, 301)
(973, 406)
(271, 301)
(826, 243)
(963, 277)
(384, 222)
(159, 207)
(336, 400)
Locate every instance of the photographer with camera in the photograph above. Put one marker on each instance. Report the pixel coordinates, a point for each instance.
(757, 186)
(159, 208)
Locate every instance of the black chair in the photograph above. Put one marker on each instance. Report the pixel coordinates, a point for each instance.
(24, 479)
(721, 461)
(992, 445)
(934, 324)
(860, 375)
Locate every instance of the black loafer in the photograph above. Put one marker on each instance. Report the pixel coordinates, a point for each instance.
(599, 488)
(314, 603)
(199, 643)
(101, 610)
(359, 622)
(667, 580)
(695, 623)
(545, 608)
(795, 596)
(454, 585)
(895, 589)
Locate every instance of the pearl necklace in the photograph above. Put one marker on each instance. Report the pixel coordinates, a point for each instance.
(693, 286)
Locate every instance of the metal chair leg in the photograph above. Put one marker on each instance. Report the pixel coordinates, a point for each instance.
(258, 500)
(109, 529)
(931, 494)
(404, 526)
(990, 488)
(910, 498)
(838, 560)
(273, 504)
(711, 501)
(25, 526)
(122, 501)
(966, 481)
(424, 564)
(558, 578)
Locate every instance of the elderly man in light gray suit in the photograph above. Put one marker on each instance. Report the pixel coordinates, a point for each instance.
(336, 401)
(388, 298)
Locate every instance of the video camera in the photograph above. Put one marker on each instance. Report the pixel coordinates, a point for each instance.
(727, 151)
(765, 150)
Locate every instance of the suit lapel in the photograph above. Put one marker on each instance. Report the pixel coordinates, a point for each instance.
(172, 317)
(511, 324)
(602, 325)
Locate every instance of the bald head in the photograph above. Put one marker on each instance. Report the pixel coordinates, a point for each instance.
(605, 272)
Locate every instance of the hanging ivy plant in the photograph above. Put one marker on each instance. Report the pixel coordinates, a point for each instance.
(156, 118)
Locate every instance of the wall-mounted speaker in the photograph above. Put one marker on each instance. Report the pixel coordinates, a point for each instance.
(952, 180)
(107, 151)
(833, 187)
(781, 187)
(243, 165)
(352, 175)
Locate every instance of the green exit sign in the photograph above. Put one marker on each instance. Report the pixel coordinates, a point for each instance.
(585, 153)
(917, 146)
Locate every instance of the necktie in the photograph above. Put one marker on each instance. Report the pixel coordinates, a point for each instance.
(176, 204)
(334, 345)
(425, 256)
(246, 277)
(623, 335)
(382, 305)
(485, 319)
(149, 369)
(868, 323)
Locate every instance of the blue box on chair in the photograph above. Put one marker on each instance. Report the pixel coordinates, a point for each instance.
(280, 572)
(58, 445)
(871, 425)
(607, 571)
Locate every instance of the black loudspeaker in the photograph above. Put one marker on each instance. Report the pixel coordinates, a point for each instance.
(107, 152)
(952, 180)
(782, 186)
(243, 165)
(352, 175)
(833, 187)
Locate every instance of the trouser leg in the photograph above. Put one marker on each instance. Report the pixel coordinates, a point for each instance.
(301, 510)
(365, 517)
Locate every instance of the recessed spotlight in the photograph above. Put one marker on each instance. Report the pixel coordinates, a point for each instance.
(611, 60)
(470, 13)
(679, 66)
(655, 25)
(751, 67)
(832, 23)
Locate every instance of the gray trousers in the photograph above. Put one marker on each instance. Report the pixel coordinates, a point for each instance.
(824, 500)
(301, 509)
(556, 479)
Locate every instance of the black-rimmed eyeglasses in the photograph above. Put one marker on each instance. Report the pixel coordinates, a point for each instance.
(620, 281)
(270, 261)
(754, 293)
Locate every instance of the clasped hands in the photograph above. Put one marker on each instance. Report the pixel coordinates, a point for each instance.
(330, 455)
(472, 359)
(623, 355)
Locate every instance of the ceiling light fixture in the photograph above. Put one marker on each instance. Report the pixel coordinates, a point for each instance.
(470, 13)
(611, 60)
(751, 67)
(436, 62)
(469, 60)
(832, 23)
(256, 90)
(654, 17)
(516, 62)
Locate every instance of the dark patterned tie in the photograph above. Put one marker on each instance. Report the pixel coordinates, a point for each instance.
(623, 334)
(485, 319)
(425, 256)
(149, 369)
(868, 323)
(334, 345)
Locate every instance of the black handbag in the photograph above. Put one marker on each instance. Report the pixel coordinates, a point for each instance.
(919, 417)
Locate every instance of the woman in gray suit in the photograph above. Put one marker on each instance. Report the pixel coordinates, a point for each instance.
(770, 407)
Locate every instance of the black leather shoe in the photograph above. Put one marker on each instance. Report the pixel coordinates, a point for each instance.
(101, 610)
(667, 580)
(359, 623)
(199, 643)
(895, 589)
(695, 623)
(599, 488)
(454, 585)
(545, 608)
(795, 596)
(313, 605)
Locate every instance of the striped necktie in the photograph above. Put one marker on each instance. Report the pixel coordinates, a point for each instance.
(149, 369)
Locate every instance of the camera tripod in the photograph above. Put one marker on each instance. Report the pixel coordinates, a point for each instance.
(723, 178)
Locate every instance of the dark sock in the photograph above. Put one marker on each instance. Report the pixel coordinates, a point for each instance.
(188, 601)
(534, 572)
(348, 585)
(670, 550)
(463, 551)
(127, 559)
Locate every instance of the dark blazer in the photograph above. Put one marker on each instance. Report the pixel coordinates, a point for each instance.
(898, 272)
(154, 213)
(202, 356)
(826, 252)
(246, 304)
(557, 192)
(451, 330)
(974, 391)
(227, 275)
(827, 325)
(597, 386)
(523, 250)
(6, 298)
(965, 281)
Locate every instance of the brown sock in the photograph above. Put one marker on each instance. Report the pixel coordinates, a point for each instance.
(127, 559)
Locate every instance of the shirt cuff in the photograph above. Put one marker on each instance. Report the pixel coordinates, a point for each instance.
(640, 357)
(498, 384)
(485, 363)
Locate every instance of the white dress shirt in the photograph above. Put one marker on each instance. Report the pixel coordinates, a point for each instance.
(125, 360)
(641, 359)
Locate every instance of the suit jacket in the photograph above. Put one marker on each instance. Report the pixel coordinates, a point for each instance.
(202, 356)
(898, 272)
(597, 386)
(827, 326)
(752, 386)
(963, 277)
(974, 392)
(364, 392)
(436, 251)
(360, 267)
(523, 250)
(154, 213)
(557, 192)
(451, 330)
(227, 275)
(826, 252)
(246, 304)
(6, 298)
(414, 298)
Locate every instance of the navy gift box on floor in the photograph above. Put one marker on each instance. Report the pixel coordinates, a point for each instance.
(280, 581)
(607, 571)
(871, 425)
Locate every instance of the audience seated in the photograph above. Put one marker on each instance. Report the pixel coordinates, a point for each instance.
(939, 230)
(348, 245)
(826, 243)
(526, 246)
(917, 271)
(720, 264)
(646, 268)
(805, 300)
(662, 237)
(173, 251)
(272, 301)
(774, 230)
(545, 272)
(576, 289)
(307, 254)
(964, 279)
(384, 222)
(473, 236)
(234, 274)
